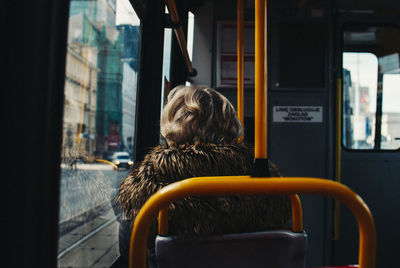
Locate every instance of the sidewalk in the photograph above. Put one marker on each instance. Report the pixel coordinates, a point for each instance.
(89, 166)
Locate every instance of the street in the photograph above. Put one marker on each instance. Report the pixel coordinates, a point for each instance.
(87, 224)
(87, 188)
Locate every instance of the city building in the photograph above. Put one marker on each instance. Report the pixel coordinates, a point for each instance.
(101, 69)
(80, 96)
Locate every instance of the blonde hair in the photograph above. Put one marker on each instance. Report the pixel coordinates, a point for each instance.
(199, 114)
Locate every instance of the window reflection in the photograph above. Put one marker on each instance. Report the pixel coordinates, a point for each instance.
(99, 120)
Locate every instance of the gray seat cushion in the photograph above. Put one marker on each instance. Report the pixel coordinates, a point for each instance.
(259, 249)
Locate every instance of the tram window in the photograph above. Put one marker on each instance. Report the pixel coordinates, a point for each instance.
(391, 111)
(371, 89)
(190, 34)
(166, 65)
(360, 71)
(99, 120)
(190, 37)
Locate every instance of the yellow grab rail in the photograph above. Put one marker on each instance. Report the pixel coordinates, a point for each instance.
(260, 124)
(247, 185)
(260, 145)
(240, 61)
(338, 146)
(115, 167)
(297, 213)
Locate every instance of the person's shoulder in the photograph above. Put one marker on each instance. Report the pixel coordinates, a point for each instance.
(235, 149)
(170, 163)
(164, 164)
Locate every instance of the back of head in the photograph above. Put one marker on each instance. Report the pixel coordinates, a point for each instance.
(199, 114)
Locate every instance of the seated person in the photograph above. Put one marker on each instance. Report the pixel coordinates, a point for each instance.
(201, 134)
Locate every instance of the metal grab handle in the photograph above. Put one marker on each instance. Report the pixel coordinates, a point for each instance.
(180, 36)
(247, 185)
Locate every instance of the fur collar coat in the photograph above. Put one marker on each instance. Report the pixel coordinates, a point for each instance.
(198, 216)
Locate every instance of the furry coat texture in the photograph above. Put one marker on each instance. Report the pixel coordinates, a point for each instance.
(199, 216)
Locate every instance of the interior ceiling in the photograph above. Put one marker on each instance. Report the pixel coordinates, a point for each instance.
(343, 4)
(367, 4)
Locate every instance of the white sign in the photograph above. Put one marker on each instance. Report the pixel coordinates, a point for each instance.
(297, 114)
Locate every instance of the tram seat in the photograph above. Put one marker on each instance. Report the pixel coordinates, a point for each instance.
(247, 249)
(259, 249)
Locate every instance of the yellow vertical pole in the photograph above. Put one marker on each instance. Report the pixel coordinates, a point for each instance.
(260, 142)
(240, 61)
(336, 224)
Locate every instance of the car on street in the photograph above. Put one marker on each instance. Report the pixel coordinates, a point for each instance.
(122, 160)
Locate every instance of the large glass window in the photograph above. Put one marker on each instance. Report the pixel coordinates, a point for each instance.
(371, 88)
(360, 71)
(166, 65)
(98, 128)
(190, 38)
(190, 34)
(391, 110)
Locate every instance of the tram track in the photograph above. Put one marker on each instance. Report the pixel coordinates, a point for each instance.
(97, 239)
(87, 236)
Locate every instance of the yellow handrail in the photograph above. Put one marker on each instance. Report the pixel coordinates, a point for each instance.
(247, 185)
(163, 221)
(338, 146)
(115, 167)
(260, 146)
(260, 140)
(240, 61)
(297, 213)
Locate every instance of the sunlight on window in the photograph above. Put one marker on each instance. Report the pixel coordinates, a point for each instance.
(98, 128)
(190, 34)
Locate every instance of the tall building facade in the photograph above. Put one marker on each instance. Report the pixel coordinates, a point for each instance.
(92, 28)
(101, 78)
(130, 49)
(80, 94)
